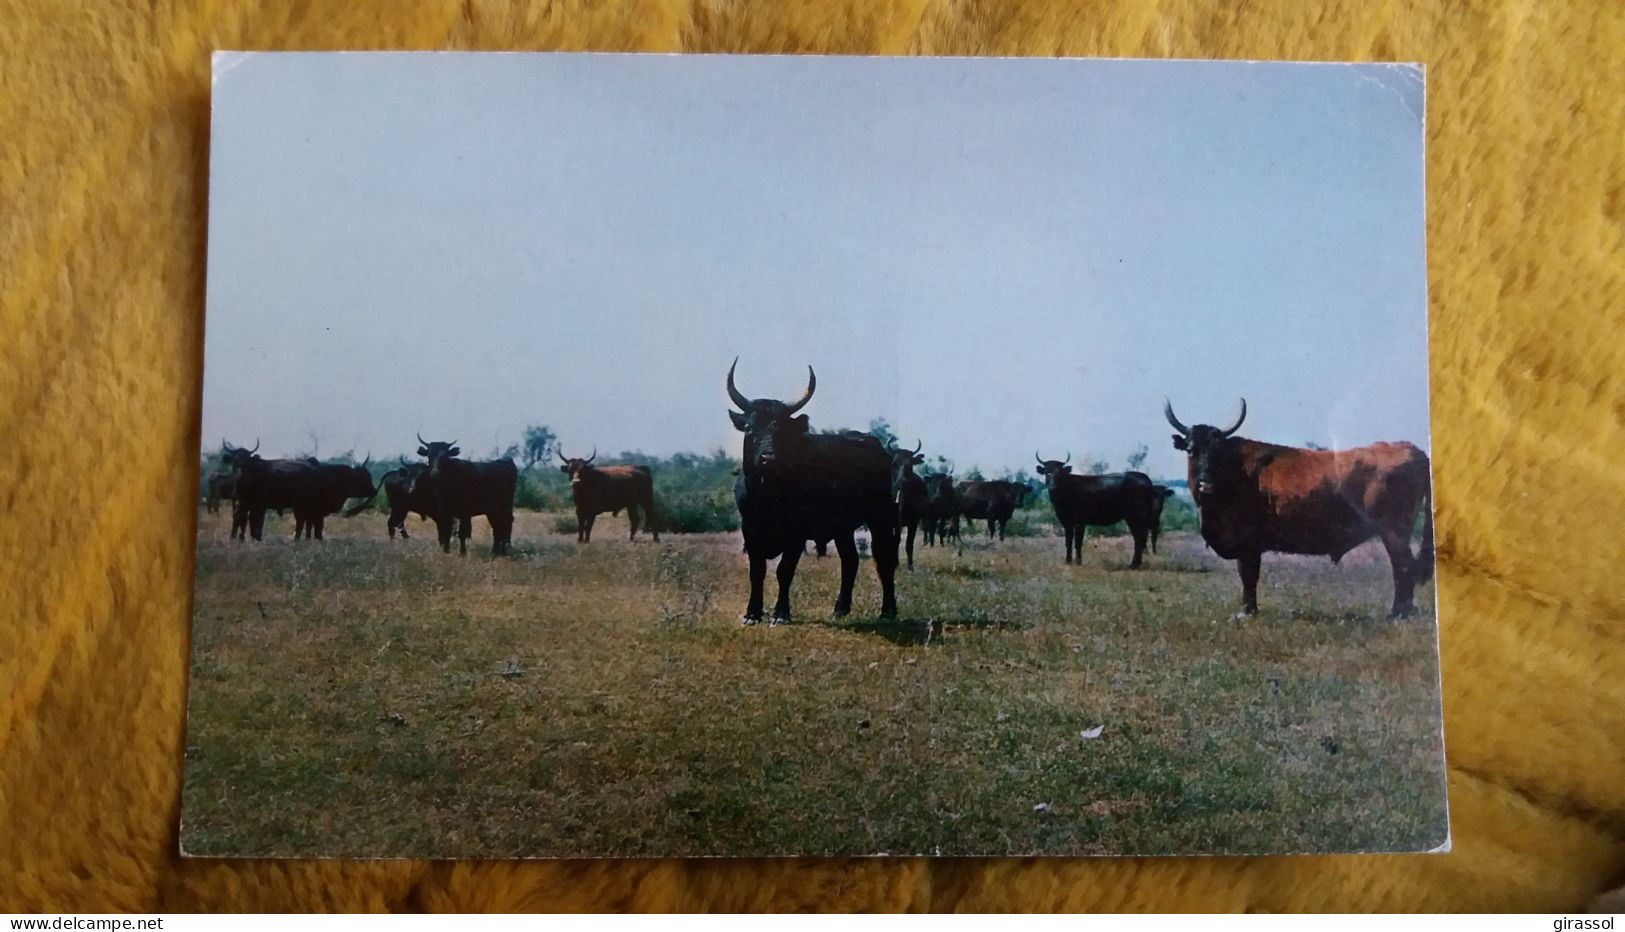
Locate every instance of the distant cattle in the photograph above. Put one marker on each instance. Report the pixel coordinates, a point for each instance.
(993, 501)
(403, 498)
(460, 490)
(1162, 495)
(339, 483)
(269, 485)
(1255, 497)
(941, 509)
(220, 487)
(800, 486)
(1080, 501)
(908, 491)
(597, 489)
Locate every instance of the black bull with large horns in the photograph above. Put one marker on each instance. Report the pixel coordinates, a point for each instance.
(1255, 497)
(799, 486)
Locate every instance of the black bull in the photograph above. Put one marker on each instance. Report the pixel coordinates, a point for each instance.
(1080, 501)
(1254, 497)
(994, 501)
(403, 498)
(800, 486)
(307, 488)
(461, 489)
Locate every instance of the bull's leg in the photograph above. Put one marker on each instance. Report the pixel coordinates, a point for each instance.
(256, 524)
(501, 531)
(1002, 523)
(758, 574)
(1399, 556)
(320, 523)
(1139, 533)
(1248, 564)
(591, 520)
(443, 528)
(911, 526)
(884, 547)
(787, 575)
(634, 515)
(1074, 544)
(847, 548)
(465, 530)
(1156, 529)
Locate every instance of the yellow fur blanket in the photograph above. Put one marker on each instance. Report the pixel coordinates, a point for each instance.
(103, 167)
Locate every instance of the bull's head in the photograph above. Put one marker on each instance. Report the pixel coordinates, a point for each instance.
(238, 457)
(770, 427)
(358, 481)
(575, 467)
(1206, 448)
(1052, 470)
(902, 467)
(939, 487)
(437, 453)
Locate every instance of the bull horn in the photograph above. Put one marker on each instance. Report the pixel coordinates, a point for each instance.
(594, 453)
(562, 458)
(421, 441)
(366, 460)
(1237, 426)
(1040, 459)
(225, 448)
(404, 463)
(1068, 458)
(452, 444)
(812, 383)
(918, 444)
(734, 394)
(257, 444)
(1168, 412)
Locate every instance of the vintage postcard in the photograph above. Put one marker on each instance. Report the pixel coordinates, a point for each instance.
(643, 455)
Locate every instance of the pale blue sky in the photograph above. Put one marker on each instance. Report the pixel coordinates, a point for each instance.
(995, 255)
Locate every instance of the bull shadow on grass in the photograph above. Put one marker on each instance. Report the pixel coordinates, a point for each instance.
(922, 632)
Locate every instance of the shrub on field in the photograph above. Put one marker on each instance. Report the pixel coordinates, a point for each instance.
(711, 512)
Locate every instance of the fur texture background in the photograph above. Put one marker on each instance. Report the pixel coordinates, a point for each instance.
(103, 195)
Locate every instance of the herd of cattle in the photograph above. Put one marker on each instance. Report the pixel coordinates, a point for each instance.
(797, 485)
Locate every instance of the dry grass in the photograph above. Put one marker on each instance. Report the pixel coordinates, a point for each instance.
(360, 696)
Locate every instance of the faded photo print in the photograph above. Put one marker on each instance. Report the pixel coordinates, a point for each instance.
(624, 455)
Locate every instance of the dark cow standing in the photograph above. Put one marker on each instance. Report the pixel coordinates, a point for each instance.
(597, 489)
(460, 490)
(993, 501)
(941, 510)
(339, 483)
(1163, 493)
(908, 491)
(1080, 501)
(403, 498)
(801, 486)
(1256, 497)
(268, 485)
(220, 487)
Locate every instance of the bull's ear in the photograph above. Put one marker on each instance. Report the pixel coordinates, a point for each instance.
(1179, 443)
(801, 422)
(454, 451)
(919, 460)
(423, 451)
(565, 469)
(740, 419)
(1066, 470)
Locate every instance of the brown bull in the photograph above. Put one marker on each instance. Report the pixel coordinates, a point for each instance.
(597, 489)
(1255, 497)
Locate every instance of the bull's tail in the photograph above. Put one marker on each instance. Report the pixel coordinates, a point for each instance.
(376, 487)
(1424, 556)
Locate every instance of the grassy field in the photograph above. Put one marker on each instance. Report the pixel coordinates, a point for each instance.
(362, 696)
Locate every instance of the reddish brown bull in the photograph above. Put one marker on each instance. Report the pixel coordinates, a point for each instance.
(597, 489)
(1254, 497)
